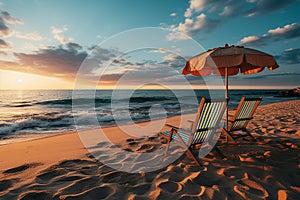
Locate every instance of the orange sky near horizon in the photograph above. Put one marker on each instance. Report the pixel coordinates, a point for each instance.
(10, 80)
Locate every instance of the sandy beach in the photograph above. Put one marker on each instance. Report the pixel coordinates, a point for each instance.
(59, 167)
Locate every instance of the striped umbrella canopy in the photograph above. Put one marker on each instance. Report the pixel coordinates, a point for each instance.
(227, 61)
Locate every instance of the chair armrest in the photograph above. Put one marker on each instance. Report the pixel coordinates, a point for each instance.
(182, 130)
(192, 124)
(174, 127)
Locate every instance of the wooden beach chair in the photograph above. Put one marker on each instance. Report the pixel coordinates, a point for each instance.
(242, 117)
(205, 126)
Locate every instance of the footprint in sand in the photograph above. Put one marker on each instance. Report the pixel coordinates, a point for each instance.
(252, 189)
(145, 148)
(47, 176)
(133, 143)
(74, 163)
(140, 189)
(20, 168)
(111, 177)
(129, 140)
(170, 186)
(5, 184)
(35, 195)
(65, 179)
(98, 192)
(234, 172)
(83, 167)
(152, 138)
(78, 186)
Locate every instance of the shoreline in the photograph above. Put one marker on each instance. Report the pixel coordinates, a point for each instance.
(37, 135)
(44, 116)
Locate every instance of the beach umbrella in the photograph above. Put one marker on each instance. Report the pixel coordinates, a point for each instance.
(227, 61)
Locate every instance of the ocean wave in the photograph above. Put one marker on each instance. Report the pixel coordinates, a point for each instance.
(19, 105)
(80, 101)
(86, 101)
(16, 104)
(36, 123)
(171, 106)
(151, 99)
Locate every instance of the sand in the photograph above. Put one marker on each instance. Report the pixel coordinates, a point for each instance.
(60, 167)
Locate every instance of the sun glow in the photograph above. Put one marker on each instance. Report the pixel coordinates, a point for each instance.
(10, 80)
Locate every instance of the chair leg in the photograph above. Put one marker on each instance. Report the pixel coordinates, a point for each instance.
(167, 148)
(190, 154)
(248, 133)
(219, 151)
(169, 138)
(226, 133)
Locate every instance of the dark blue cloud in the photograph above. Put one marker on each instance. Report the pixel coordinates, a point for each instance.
(291, 56)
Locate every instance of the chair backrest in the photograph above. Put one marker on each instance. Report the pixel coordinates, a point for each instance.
(244, 113)
(208, 119)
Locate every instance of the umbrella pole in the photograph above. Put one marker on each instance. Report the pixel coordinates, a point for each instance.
(227, 97)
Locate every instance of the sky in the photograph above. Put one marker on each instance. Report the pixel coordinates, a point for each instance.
(109, 44)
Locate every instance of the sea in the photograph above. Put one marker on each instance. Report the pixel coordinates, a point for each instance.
(27, 113)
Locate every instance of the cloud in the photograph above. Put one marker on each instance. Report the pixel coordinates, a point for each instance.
(64, 62)
(173, 60)
(192, 26)
(58, 34)
(264, 76)
(110, 78)
(101, 55)
(222, 8)
(6, 18)
(172, 57)
(236, 7)
(289, 56)
(145, 71)
(4, 45)
(5, 31)
(172, 49)
(3, 53)
(29, 36)
(159, 51)
(195, 6)
(177, 35)
(9, 19)
(197, 16)
(228, 11)
(287, 32)
(266, 6)
(145, 74)
(61, 61)
(122, 62)
(252, 41)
